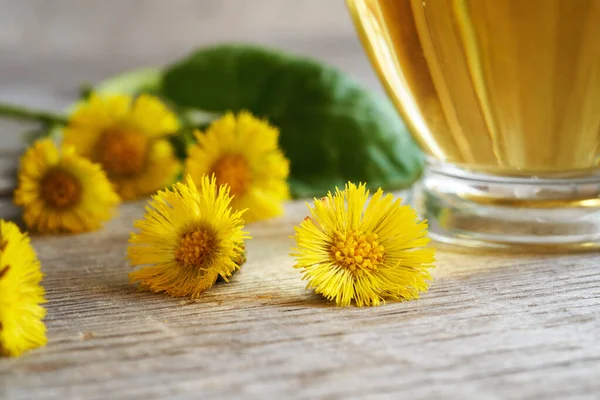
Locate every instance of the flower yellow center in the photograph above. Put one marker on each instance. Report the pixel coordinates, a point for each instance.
(60, 189)
(195, 248)
(356, 250)
(233, 170)
(122, 152)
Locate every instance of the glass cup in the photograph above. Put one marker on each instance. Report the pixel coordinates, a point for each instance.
(504, 98)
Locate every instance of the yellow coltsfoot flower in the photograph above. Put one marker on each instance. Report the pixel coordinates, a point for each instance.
(61, 191)
(21, 326)
(188, 238)
(127, 137)
(242, 152)
(351, 249)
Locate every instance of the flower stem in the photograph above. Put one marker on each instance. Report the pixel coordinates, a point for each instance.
(25, 114)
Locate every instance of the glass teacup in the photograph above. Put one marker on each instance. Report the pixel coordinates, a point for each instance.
(504, 98)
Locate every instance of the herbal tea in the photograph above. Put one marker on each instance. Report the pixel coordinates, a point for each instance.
(506, 87)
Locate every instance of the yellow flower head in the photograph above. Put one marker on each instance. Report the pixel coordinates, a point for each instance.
(128, 137)
(61, 191)
(188, 238)
(367, 252)
(21, 326)
(242, 152)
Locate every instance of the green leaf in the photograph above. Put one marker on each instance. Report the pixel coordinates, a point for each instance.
(332, 129)
(145, 80)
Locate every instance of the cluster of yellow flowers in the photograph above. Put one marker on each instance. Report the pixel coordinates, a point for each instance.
(350, 249)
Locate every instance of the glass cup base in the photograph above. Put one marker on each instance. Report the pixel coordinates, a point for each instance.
(492, 212)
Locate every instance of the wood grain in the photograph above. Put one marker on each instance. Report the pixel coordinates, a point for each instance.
(493, 326)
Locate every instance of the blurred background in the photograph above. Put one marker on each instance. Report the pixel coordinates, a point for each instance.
(49, 48)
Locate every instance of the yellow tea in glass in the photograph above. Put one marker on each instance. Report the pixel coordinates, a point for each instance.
(504, 98)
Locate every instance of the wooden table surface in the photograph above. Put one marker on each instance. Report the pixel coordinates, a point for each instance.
(493, 326)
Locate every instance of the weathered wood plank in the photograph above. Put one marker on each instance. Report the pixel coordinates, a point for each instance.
(492, 326)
